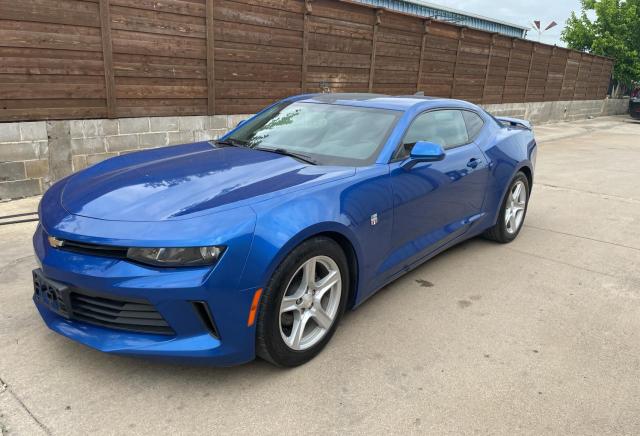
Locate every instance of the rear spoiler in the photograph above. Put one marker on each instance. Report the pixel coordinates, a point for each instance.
(514, 122)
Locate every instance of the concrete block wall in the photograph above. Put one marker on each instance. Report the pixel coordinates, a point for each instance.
(33, 155)
(24, 162)
(95, 140)
(559, 111)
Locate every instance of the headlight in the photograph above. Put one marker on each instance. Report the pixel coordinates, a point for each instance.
(176, 257)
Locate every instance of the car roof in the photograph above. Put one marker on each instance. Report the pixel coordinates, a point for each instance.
(382, 101)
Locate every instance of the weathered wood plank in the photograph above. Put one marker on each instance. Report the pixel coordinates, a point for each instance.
(50, 36)
(158, 45)
(240, 71)
(333, 75)
(137, 20)
(196, 9)
(34, 61)
(126, 65)
(42, 90)
(73, 12)
(250, 34)
(257, 54)
(162, 107)
(318, 41)
(275, 90)
(326, 59)
(257, 15)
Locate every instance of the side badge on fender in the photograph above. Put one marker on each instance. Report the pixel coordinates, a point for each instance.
(374, 219)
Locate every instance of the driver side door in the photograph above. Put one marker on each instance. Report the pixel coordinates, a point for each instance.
(435, 202)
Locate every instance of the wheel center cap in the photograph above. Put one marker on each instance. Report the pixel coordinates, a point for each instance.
(307, 301)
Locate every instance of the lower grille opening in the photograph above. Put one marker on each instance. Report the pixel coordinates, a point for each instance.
(202, 309)
(123, 314)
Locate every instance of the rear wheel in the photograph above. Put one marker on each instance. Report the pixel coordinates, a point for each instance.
(303, 303)
(512, 212)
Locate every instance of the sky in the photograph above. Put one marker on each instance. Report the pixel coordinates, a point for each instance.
(522, 12)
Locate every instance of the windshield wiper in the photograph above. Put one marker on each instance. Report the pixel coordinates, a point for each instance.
(229, 142)
(293, 154)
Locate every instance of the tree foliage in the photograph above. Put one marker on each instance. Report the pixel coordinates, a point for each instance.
(615, 32)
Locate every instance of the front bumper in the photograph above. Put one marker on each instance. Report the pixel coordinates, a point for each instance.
(171, 292)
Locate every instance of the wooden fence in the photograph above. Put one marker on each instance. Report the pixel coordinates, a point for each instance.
(68, 59)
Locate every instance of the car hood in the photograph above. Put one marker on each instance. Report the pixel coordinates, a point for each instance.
(186, 181)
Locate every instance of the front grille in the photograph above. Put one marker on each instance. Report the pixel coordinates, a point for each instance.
(124, 314)
(94, 249)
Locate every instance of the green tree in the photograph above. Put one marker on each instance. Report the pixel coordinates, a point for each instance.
(615, 32)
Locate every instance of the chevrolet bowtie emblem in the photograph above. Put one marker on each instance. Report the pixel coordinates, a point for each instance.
(55, 242)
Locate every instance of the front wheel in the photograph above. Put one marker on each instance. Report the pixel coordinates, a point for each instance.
(512, 211)
(303, 303)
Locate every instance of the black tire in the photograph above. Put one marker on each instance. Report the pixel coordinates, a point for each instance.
(499, 232)
(270, 345)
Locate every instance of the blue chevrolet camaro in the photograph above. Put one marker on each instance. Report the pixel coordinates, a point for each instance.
(255, 244)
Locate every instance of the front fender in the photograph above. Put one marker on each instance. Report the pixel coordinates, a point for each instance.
(282, 227)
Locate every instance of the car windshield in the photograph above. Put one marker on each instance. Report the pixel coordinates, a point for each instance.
(324, 133)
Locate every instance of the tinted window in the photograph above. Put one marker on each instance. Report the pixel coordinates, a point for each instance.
(474, 124)
(444, 127)
(330, 134)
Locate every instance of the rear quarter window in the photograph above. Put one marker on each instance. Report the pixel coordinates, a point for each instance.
(474, 124)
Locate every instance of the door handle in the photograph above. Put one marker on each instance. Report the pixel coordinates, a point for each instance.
(473, 163)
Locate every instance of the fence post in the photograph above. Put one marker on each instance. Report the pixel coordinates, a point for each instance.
(564, 75)
(546, 80)
(575, 86)
(427, 22)
(506, 77)
(305, 45)
(211, 62)
(526, 89)
(107, 58)
(455, 65)
(374, 46)
(599, 79)
(486, 75)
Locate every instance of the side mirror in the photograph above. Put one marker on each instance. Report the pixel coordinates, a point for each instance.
(241, 123)
(424, 151)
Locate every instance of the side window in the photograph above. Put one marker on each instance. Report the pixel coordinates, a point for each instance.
(474, 124)
(444, 127)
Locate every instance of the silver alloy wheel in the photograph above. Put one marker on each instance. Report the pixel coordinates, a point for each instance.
(516, 204)
(310, 303)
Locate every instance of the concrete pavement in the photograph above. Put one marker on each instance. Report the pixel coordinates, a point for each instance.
(537, 337)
